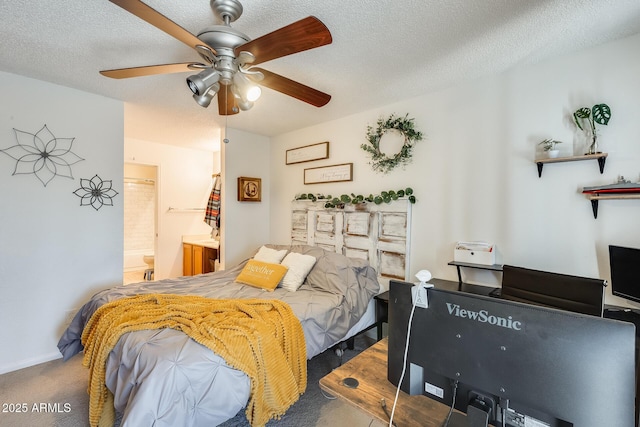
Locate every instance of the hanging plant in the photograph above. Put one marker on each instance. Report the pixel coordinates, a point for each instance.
(345, 199)
(379, 160)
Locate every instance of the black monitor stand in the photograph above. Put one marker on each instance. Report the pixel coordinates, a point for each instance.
(476, 417)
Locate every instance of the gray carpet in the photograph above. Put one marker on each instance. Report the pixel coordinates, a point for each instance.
(55, 394)
(49, 394)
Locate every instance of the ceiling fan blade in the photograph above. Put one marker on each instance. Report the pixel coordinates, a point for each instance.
(227, 102)
(292, 88)
(159, 21)
(308, 33)
(150, 70)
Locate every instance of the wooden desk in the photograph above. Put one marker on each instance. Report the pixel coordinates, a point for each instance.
(370, 369)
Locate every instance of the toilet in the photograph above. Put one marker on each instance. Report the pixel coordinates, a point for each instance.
(148, 273)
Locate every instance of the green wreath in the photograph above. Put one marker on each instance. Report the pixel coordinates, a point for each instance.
(380, 161)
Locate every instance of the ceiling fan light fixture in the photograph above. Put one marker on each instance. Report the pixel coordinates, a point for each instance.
(253, 93)
(245, 105)
(204, 100)
(200, 83)
(244, 88)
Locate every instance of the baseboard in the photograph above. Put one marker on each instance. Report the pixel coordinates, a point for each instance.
(27, 363)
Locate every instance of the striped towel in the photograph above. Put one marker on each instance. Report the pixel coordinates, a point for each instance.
(212, 213)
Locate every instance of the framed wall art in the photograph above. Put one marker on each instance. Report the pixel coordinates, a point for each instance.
(308, 153)
(333, 173)
(249, 189)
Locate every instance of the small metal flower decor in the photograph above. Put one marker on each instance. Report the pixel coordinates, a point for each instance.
(379, 160)
(95, 192)
(42, 154)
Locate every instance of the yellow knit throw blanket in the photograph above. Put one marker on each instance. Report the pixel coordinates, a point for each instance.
(262, 338)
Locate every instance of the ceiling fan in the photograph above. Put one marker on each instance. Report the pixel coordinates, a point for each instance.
(229, 57)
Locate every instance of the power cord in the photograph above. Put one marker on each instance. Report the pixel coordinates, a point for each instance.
(404, 361)
(327, 396)
(453, 403)
(423, 276)
(383, 403)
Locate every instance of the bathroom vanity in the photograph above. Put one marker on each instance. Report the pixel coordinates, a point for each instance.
(199, 254)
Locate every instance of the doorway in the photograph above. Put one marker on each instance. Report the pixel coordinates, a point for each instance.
(140, 222)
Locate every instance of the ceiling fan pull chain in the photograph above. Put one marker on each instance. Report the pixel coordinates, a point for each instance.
(226, 118)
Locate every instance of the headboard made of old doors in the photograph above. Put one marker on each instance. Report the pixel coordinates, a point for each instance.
(378, 233)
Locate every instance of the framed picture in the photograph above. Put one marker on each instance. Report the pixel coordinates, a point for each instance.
(333, 173)
(249, 189)
(308, 153)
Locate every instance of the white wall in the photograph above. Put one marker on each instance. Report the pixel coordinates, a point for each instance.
(244, 225)
(474, 175)
(184, 182)
(54, 253)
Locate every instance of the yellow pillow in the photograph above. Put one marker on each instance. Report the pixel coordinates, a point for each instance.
(262, 274)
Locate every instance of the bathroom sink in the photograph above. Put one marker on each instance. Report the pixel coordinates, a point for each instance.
(201, 241)
(209, 243)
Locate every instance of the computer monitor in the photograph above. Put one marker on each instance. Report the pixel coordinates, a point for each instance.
(625, 275)
(507, 361)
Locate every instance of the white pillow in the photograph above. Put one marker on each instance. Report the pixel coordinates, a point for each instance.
(272, 256)
(299, 267)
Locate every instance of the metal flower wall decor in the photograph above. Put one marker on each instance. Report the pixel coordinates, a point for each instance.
(95, 192)
(42, 154)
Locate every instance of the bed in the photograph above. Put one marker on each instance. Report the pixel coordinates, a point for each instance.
(163, 377)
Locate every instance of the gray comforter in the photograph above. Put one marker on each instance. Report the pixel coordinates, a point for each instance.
(162, 377)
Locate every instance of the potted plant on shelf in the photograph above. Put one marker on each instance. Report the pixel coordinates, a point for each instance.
(549, 147)
(600, 114)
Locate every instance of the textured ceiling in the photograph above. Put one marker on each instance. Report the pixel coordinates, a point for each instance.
(383, 51)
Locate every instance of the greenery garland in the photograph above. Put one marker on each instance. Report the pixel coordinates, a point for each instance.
(340, 202)
(380, 161)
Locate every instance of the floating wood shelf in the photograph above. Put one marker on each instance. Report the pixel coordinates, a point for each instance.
(594, 197)
(601, 157)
